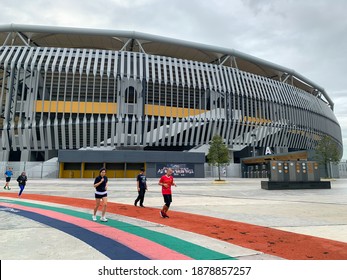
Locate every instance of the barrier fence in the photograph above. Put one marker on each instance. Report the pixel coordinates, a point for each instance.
(51, 170)
(33, 169)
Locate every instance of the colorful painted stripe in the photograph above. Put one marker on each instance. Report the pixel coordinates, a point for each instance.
(151, 244)
(131, 241)
(107, 246)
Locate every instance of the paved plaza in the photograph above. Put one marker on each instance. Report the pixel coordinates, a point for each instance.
(318, 213)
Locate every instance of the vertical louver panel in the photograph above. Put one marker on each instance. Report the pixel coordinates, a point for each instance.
(60, 98)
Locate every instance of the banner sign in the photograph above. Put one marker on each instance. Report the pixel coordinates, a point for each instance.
(179, 169)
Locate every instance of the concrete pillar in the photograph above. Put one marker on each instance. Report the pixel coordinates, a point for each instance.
(25, 156)
(4, 155)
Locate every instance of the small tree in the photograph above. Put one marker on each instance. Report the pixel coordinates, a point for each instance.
(218, 154)
(327, 152)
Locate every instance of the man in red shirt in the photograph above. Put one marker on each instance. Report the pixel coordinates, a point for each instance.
(166, 181)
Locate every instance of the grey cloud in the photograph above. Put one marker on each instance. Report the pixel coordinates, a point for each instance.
(306, 36)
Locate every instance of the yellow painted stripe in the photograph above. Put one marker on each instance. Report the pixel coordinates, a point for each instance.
(76, 107)
(257, 120)
(110, 108)
(156, 110)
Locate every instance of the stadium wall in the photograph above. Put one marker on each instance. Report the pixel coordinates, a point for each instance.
(70, 99)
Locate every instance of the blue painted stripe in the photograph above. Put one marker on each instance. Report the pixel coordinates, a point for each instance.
(110, 248)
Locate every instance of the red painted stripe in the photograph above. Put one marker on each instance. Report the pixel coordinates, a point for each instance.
(143, 246)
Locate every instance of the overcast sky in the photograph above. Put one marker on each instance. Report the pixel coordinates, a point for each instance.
(308, 36)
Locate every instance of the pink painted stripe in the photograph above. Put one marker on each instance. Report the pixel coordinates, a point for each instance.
(142, 245)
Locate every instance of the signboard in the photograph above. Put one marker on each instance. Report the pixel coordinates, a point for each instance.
(179, 169)
(268, 151)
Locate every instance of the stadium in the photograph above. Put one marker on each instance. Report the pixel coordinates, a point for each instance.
(124, 100)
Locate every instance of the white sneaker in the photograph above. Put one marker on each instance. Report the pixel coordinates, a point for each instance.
(103, 219)
(94, 218)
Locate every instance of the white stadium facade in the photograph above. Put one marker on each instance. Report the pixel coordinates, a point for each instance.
(124, 100)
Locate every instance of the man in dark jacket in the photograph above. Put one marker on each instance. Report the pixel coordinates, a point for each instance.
(141, 187)
(22, 180)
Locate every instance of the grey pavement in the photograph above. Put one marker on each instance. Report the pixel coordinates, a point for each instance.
(320, 213)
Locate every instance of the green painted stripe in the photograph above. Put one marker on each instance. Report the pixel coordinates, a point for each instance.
(184, 247)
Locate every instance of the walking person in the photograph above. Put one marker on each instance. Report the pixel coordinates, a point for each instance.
(100, 185)
(166, 181)
(22, 180)
(8, 175)
(141, 187)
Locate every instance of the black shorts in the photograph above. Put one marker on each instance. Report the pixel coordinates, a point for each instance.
(100, 195)
(8, 179)
(167, 198)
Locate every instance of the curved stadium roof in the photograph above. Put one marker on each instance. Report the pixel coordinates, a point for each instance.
(68, 37)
